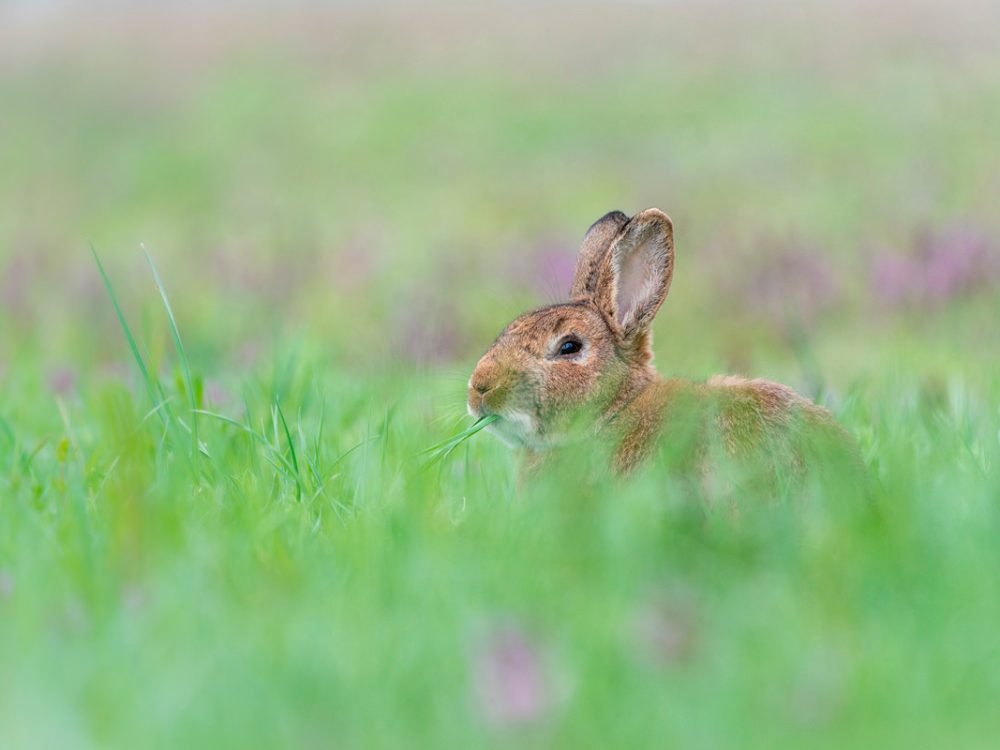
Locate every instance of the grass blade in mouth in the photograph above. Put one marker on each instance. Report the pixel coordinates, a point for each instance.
(442, 450)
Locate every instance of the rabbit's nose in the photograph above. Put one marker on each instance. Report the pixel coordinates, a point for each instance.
(482, 379)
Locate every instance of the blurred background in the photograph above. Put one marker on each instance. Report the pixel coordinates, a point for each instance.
(394, 181)
(346, 203)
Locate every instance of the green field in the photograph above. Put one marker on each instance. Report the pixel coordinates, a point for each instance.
(244, 548)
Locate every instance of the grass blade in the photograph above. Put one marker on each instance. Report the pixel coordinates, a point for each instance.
(255, 435)
(442, 450)
(291, 448)
(179, 346)
(146, 377)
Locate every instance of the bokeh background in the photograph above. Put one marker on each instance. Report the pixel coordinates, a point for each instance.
(397, 181)
(351, 200)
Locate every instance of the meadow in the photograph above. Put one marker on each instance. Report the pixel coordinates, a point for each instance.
(248, 260)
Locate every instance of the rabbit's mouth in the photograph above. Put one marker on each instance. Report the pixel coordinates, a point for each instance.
(516, 428)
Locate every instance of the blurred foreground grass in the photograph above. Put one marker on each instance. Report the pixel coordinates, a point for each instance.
(345, 206)
(155, 598)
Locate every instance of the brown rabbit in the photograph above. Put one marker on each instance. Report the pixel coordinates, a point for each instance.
(585, 365)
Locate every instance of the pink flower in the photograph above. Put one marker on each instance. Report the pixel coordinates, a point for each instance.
(787, 284)
(545, 267)
(215, 393)
(62, 381)
(510, 678)
(938, 267)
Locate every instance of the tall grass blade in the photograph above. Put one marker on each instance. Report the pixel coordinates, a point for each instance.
(285, 465)
(291, 449)
(181, 353)
(151, 384)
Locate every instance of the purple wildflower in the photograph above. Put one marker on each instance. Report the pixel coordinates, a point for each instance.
(215, 393)
(545, 267)
(790, 287)
(62, 381)
(510, 678)
(938, 267)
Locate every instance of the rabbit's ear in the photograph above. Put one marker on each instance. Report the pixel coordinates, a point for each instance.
(634, 276)
(592, 251)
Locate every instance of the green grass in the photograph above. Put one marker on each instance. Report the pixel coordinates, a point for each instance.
(154, 601)
(218, 526)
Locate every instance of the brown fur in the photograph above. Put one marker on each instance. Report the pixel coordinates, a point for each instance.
(610, 388)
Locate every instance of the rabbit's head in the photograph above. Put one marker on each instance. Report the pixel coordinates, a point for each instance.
(556, 366)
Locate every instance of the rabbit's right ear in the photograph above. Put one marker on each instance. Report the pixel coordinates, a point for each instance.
(634, 275)
(592, 251)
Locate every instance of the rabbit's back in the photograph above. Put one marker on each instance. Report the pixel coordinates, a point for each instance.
(756, 432)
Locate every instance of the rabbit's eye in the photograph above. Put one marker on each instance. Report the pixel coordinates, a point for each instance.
(570, 346)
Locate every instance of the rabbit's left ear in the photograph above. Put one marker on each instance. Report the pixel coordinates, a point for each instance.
(592, 252)
(635, 274)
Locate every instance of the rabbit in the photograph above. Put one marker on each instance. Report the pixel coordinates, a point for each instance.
(584, 367)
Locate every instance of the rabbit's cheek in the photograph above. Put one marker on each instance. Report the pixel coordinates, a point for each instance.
(571, 383)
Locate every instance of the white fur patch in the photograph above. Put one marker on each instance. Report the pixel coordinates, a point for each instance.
(516, 429)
